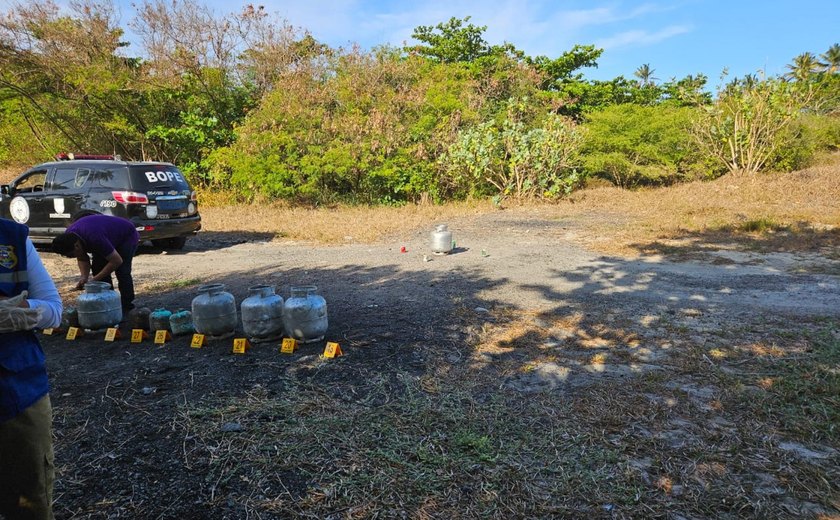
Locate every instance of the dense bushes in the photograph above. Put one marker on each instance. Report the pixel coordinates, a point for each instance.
(249, 104)
(634, 145)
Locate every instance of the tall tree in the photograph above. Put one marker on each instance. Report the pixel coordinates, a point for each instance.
(831, 59)
(645, 75)
(803, 67)
(452, 41)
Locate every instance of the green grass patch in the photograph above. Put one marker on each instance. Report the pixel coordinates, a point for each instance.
(175, 284)
(761, 225)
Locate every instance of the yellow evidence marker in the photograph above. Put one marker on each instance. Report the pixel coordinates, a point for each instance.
(288, 346)
(138, 335)
(48, 332)
(332, 350)
(73, 333)
(112, 334)
(197, 341)
(240, 345)
(162, 336)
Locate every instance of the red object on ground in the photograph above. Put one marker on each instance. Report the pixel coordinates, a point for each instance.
(403, 250)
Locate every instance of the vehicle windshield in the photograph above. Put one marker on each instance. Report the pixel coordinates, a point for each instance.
(157, 177)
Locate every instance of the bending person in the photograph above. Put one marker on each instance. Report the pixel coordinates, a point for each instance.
(111, 242)
(28, 300)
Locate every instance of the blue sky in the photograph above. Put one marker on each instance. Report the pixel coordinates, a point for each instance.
(675, 38)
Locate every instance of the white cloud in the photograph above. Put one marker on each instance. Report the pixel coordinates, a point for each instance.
(641, 37)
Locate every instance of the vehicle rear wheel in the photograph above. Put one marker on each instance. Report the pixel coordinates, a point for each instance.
(174, 243)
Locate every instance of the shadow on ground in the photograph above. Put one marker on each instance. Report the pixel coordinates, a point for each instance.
(116, 405)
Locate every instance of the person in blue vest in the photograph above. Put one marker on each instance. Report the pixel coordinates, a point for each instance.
(28, 300)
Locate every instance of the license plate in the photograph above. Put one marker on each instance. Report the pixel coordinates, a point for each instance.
(169, 205)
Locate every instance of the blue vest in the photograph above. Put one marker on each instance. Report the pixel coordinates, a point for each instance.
(23, 372)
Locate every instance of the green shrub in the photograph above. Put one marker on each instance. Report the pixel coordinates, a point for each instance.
(637, 145)
(512, 159)
(806, 136)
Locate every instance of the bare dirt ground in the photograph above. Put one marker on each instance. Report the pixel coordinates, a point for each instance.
(522, 376)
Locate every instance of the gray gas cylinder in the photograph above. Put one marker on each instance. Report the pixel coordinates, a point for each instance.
(262, 314)
(441, 240)
(214, 311)
(305, 314)
(99, 306)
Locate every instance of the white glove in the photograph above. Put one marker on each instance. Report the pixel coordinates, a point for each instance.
(14, 301)
(13, 319)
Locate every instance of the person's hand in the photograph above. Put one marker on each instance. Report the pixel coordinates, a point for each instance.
(14, 301)
(81, 284)
(13, 319)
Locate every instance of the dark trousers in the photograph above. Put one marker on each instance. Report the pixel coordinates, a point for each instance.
(27, 469)
(123, 272)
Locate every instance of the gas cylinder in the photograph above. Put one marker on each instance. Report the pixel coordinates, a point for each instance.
(262, 314)
(180, 322)
(305, 314)
(159, 319)
(441, 240)
(99, 306)
(214, 311)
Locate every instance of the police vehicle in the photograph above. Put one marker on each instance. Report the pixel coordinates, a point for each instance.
(153, 195)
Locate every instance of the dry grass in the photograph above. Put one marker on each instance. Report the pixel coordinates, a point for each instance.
(789, 211)
(9, 172)
(797, 210)
(340, 224)
(702, 441)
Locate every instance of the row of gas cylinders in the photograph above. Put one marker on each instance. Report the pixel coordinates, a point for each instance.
(266, 316)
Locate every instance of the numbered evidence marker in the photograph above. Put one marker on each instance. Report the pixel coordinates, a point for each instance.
(332, 350)
(48, 332)
(197, 341)
(138, 335)
(73, 333)
(162, 336)
(288, 346)
(112, 334)
(240, 345)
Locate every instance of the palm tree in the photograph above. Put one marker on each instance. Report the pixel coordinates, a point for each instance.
(803, 67)
(831, 59)
(645, 75)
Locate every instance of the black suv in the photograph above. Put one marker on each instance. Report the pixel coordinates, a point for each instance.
(155, 196)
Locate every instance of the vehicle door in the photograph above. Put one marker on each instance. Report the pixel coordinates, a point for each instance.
(25, 202)
(65, 194)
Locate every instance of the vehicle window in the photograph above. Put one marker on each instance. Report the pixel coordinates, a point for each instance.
(112, 178)
(64, 178)
(156, 177)
(82, 175)
(32, 182)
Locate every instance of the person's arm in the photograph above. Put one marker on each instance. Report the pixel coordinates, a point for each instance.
(83, 260)
(42, 291)
(114, 261)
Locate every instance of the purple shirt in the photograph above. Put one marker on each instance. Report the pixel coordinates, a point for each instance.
(102, 234)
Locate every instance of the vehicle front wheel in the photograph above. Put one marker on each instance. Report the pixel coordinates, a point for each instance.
(174, 243)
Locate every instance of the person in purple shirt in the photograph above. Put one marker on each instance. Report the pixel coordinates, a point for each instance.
(102, 245)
